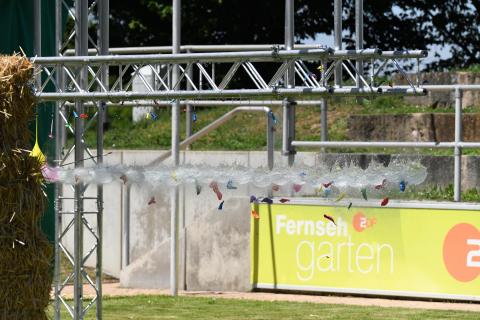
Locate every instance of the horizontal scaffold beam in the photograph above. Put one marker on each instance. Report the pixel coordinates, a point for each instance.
(217, 75)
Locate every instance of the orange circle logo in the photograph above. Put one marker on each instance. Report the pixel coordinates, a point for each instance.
(461, 252)
(359, 222)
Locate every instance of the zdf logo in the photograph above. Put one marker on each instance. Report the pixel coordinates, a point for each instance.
(461, 252)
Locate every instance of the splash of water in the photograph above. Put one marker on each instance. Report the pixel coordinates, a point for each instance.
(348, 179)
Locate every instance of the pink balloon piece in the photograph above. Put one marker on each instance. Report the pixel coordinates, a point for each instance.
(50, 173)
(297, 187)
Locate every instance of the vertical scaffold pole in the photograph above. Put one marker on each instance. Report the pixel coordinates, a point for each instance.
(457, 167)
(58, 155)
(188, 107)
(174, 214)
(288, 128)
(103, 45)
(81, 49)
(359, 38)
(337, 13)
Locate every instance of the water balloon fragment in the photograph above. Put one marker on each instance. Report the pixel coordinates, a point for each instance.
(124, 178)
(75, 114)
(381, 185)
(340, 197)
(349, 206)
(220, 207)
(151, 201)
(214, 186)
(273, 117)
(275, 187)
(194, 116)
(198, 187)
(253, 199)
(402, 186)
(384, 202)
(230, 185)
(255, 214)
(328, 191)
(283, 200)
(326, 185)
(50, 174)
(297, 187)
(326, 216)
(153, 115)
(83, 116)
(267, 200)
(364, 194)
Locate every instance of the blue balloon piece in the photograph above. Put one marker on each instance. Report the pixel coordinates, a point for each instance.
(273, 117)
(194, 116)
(230, 185)
(220, 207)
(253, 199)
(267, 200)
(153, 115)
(328, 191)
(402, 186)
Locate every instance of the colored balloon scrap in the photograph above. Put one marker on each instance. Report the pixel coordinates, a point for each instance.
(275, 187)
(340, 197)
(364, 194)
(153, 115)
(83, 116)
(349, 206)
(328, 191)
(253, 199)
(230, 185)
(384, 202)
(194, 116)
(255, 214)
(326, 185)
(267, 200)
(220, 207)
(297, 187)
(326, 216)
(214, 186)
(75, 114)
(283, 200)
(198, 187)
(50, 174)
(124, 178)
(403, 185)
(151, 201)
(273, 117)
(382, 185)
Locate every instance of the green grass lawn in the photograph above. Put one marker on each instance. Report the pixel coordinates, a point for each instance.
(247, 130)
(164, 307)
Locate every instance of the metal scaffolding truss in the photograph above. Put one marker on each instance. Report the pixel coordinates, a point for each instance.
(71, 216)
(199, 72)
(270, 75)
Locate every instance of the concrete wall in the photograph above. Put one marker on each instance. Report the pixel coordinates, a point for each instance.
(217, 242)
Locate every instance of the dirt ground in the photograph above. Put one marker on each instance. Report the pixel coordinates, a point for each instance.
(114, 290)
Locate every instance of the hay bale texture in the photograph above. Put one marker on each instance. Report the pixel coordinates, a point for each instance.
(25, 253)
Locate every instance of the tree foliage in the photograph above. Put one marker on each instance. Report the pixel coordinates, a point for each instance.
(395, 24)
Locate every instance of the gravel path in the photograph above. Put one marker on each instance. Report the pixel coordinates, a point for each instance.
(114, 290)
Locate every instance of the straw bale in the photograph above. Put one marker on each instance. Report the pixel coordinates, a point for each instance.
(16, 101)
(25, 253)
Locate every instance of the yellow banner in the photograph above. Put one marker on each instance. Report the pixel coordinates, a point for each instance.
(393, 251)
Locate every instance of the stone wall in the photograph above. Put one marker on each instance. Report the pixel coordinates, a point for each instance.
(442, 99)
(415, 127)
